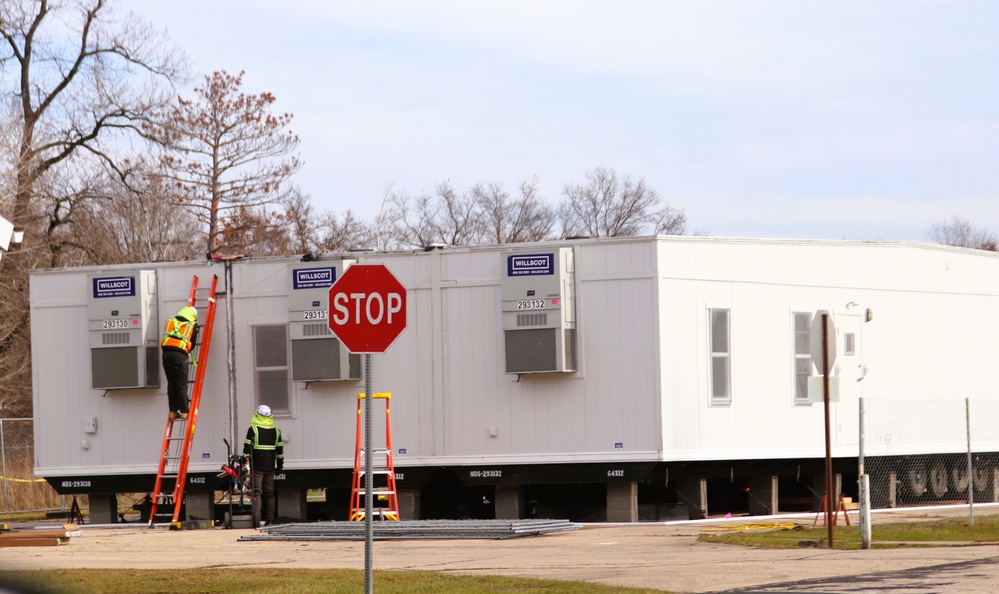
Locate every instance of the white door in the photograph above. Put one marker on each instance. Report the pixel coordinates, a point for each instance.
(851, 371)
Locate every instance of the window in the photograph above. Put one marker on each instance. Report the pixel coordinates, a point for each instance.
(721, 368)
(802, 356)
(270, 352)
(849, 344)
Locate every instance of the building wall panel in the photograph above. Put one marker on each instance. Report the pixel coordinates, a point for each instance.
(641, 391)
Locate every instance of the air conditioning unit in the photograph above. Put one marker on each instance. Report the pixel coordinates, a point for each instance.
(124, 330)
(539, 313)
(316, 354)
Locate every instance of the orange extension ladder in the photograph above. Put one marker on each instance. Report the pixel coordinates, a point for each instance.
(382, 470)
(176, 452)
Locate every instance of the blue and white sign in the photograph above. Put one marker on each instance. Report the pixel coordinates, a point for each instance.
(313, 278)
(530, 265)
(118, 286)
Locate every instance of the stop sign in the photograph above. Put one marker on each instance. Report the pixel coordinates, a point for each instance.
(367, 308)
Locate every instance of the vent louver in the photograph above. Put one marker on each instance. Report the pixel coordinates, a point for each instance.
(115, 338)
(316, 330)
(532, 319)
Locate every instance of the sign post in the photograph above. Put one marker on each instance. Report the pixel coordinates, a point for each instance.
(823, 346)
(367, 313)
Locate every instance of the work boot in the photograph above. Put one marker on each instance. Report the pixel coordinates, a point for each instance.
(174, 415)
(183, 415)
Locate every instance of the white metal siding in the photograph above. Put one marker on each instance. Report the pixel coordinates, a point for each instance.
(931, 312)
(641, 391)
(129, 422)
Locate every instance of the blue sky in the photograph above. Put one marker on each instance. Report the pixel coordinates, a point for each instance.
(789, 119)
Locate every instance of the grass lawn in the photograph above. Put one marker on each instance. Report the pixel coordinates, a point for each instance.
(284, 581)
(955, 530)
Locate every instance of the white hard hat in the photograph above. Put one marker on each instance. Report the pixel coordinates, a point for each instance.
(264, 410)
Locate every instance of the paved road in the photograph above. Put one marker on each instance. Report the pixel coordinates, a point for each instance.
(980, 575)
(655, 556)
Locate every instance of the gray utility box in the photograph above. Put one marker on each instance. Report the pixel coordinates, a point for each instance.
(539, 310)
(316, 354)
(124, 330)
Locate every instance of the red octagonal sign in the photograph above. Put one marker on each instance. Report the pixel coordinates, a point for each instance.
(367, 308)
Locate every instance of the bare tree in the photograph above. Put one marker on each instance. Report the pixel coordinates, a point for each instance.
(256, 231)
(959, 232)
(607, 205)
(15, 349)
(323, 232)
(226, 155)
(409, 221)
(342, 233)
(300, 220)
(509, 220)
(445, 217)
(76, 79)
(382, 227)
(82, 77)
(458, 221)
(129, 221)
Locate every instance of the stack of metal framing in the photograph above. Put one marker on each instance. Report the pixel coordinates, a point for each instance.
(413, 529)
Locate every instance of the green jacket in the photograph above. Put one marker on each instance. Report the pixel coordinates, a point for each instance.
(263, 444)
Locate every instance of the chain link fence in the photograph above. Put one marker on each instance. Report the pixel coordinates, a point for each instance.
(21, 491)
(931, 452)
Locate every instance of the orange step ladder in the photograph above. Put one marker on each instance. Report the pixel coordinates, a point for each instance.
(840, 507)
(382, 470)
(179, 433)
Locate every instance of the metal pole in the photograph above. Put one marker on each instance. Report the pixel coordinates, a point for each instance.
(825, 399)
(971, 474)
(860, 438)
(3, 455)
(231, 356)
(865, 489)
(369, 530)
(865, 511)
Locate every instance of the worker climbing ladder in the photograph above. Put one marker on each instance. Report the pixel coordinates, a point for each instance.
(179, 433)
(382, 470)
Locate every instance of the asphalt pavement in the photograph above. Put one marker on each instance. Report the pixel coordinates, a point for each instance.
(661, 556)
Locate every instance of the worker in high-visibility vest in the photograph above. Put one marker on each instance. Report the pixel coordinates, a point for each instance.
(263, 445)
(176, 347)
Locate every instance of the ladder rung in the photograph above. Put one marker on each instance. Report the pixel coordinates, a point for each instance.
(378, 461)
(174, 456)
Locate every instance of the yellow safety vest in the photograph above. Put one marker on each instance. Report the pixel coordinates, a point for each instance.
(177, 334)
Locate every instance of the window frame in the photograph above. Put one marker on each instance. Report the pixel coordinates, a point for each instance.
(801, 358)
(280, 409)
(719, 357)
(849, 344)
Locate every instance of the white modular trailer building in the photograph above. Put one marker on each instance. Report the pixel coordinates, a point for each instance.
(596, 379)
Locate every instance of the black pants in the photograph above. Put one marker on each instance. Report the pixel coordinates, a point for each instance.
(263, 484)
(175, 366)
